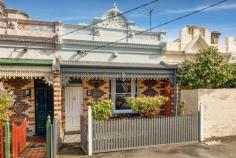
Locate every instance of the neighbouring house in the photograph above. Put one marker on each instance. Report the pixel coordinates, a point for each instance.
(231, 47)
(194, 38)
(26, 65)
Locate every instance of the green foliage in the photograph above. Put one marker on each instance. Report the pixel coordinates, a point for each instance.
(181, 109)
(101, 110)
(232, 83)
(207, 70)
(147, 106)
(6, 102)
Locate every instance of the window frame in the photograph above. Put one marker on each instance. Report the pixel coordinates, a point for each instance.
(113, 95)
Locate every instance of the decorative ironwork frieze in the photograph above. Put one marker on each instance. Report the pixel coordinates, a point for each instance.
(122, 76)
(27, 72)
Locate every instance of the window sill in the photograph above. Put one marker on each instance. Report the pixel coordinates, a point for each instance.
(123, 112)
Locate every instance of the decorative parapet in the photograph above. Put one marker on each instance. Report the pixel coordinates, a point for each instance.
(69, 43)
(21, 27)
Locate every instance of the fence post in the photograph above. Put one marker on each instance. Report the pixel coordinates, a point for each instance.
(7, 140)
(52, 140)
(201, 111)
(90, 130)
(55, 135)
(48, 136)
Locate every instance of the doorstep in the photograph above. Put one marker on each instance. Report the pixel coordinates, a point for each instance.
(71, 138)
(36, 148)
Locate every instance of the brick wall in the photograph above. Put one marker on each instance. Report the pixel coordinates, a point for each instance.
(58, 106)
(155, 88)
(103, 89)
(86, 84)
(25, 105)
(219, 109)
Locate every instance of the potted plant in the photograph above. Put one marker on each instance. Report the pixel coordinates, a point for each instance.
(147, 106)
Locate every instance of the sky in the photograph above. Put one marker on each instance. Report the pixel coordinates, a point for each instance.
(221, 18)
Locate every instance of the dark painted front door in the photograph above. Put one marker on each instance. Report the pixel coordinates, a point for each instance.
(43, 105)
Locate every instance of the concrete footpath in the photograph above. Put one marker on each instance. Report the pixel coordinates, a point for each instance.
(222, 148)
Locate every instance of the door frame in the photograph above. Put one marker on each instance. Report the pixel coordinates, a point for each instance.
(35, 105)
(81, 109)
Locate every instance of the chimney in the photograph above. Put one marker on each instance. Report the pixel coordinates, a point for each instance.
(215, 37)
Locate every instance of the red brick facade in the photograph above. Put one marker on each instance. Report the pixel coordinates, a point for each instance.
(25, 105)
(100, 87)
(57, 97)
(155, 88)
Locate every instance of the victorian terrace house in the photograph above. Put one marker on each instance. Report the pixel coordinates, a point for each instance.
(93, 68)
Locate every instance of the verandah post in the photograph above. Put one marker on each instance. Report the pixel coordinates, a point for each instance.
(7, 139)
(201, 122)
(90, 130)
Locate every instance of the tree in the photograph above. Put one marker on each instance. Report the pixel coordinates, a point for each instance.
(6, 102)
(207, 70)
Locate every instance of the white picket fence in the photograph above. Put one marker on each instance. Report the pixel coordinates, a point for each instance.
(133, 133)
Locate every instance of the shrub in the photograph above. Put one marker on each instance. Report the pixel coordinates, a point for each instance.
(207, 70)
(181, 109)
(6, 102)
(101, 110)
(147, 106)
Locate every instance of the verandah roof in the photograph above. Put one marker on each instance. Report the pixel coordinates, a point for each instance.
(26, 68)
(117, 73)
(13, 71)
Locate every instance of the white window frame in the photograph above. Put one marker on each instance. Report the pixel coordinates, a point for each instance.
(113, 94)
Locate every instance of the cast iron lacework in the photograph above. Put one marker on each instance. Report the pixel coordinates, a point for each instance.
(122, 76)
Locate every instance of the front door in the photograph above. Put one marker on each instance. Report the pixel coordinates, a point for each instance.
(73, 108)
(43, 105)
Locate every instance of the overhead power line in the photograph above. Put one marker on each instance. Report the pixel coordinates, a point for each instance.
(160, 25)
(128, 11)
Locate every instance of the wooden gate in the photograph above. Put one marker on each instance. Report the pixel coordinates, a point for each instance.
(18, 138)
(1, 141)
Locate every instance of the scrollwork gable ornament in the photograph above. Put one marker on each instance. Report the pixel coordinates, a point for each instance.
(114, 19)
